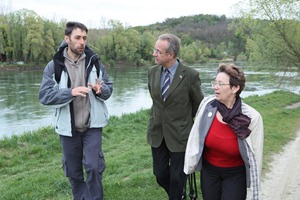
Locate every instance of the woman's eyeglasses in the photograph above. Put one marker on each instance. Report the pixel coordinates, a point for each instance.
(219, 84)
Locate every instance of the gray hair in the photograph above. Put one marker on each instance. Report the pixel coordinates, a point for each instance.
(174, 43)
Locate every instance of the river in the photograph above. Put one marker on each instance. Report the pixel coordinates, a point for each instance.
(21, 112)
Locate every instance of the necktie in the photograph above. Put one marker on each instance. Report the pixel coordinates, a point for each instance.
(166, 85)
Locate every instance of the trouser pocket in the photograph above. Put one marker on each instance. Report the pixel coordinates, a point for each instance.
(101, 162)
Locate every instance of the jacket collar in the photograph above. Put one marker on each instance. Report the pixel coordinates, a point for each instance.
(90, 54)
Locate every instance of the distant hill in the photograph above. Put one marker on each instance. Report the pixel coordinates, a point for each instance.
(210, 29)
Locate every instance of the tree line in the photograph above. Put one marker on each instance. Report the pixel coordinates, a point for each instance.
(25, 36)
(267, 32)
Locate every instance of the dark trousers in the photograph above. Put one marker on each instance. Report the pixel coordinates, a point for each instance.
(223, 183)
(168, 169)
(84, 149)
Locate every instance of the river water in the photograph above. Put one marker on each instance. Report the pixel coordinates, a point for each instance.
(21, 112)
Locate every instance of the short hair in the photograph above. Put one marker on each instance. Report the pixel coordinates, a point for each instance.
(70, 26)
(236, 75)
(174, 43)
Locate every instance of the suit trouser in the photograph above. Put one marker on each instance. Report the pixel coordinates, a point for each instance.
(84, 149)
(168, 169)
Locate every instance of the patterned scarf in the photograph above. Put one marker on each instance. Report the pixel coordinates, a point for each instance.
(235, 118)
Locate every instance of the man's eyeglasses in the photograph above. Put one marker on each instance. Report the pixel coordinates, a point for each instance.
(219, 84)
(158, 51)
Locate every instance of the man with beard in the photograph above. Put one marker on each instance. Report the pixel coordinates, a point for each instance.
(76, 85)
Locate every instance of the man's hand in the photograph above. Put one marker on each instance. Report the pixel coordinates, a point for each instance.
(80, 91)
(97, 87)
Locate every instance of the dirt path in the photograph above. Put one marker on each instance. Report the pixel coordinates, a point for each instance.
(283, 180)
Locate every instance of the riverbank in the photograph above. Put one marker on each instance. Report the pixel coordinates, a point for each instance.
(21, 68)
(30, 164)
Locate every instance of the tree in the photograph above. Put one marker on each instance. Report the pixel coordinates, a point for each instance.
(48, 49)
(34, 43)
(195, 52)
(57, 31)
(5, 47)
(274, 32)
(146, 47)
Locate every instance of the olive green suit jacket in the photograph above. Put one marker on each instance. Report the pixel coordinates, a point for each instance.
(172, 119)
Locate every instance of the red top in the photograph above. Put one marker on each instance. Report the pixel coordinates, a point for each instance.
(221, 146)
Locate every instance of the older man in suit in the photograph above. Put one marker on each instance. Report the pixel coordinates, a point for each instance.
(176, 94)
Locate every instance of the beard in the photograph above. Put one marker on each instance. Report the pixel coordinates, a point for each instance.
(76, 50)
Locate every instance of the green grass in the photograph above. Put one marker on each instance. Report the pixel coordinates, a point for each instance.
(280, 124)
(30, 164)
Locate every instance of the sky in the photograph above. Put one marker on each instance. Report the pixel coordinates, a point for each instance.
(129, 12)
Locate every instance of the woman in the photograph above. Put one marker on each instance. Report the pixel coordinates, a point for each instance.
(226, 141)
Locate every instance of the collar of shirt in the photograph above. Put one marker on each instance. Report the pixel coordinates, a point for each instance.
(81, 57)
(172, 69)
(172, 73)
